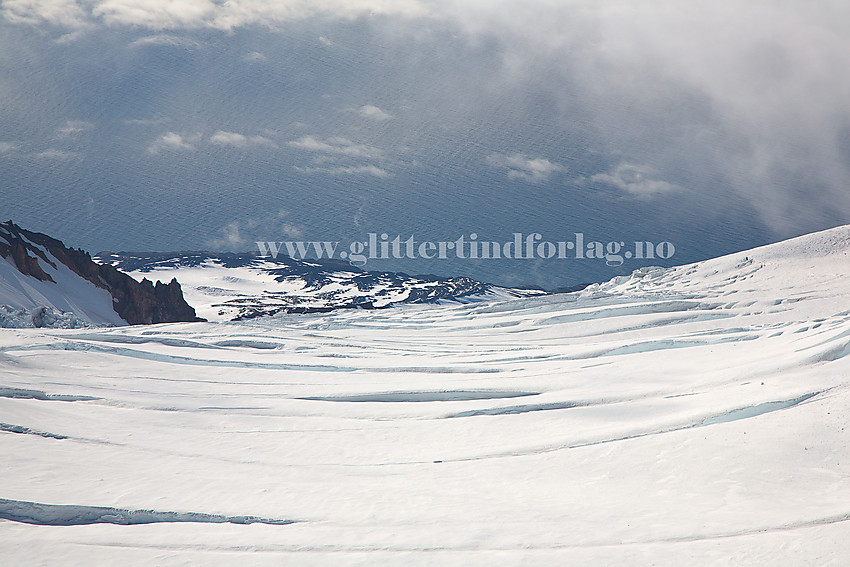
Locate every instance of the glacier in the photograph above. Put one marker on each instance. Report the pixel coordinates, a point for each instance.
(690, 415)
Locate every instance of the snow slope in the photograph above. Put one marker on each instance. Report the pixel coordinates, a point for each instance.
(43, 283)
(687, 416)
(67, 293)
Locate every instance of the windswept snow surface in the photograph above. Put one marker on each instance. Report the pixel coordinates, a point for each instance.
(689, 416)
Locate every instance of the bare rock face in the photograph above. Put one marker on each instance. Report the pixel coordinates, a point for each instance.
(13, 246)
(138, 303)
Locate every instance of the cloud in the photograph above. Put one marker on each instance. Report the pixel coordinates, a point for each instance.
(636, 180)
(232, 238)
(373, 112)
(67, 13)
(289, 230)
(164, 39)
(196, 14)
(73, 128)
(743, 95)
(336, 146)
(6, 147)
(734, 96)
(519, 166)
(241, 235)
(156, 14)
(71, 37)
(254, 56)
(372, 170)
(147, 121)
(55, 154)
(341, 156)
(233, 139)
(173, 141)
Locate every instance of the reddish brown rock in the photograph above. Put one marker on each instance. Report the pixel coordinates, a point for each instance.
(138, 303)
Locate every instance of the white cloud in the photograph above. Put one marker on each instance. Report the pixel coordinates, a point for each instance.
(172, 141)
(229, 15)
(229, 139)
(341, 156)
(147, 121)
(156, 14)
(232, 238)
(254, 56)
(164, 39)
(241, 235)
(6, 147)
(71, 37)
(638, 180)
(372, 170)
(73, 128)
(373, 112)
(222, 138)
(291, 230)
(519, 166)
(194, 14)
(55, 154)
(66, 13)
(336, 146)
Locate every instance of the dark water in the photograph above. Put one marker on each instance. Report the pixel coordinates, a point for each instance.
(84, 158)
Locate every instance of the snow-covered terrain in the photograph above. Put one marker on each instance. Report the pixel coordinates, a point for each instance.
(24, 298)
(225, 287)
(689, 416)
(44, 283)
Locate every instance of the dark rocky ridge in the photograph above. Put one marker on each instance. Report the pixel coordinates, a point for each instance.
(138, 303)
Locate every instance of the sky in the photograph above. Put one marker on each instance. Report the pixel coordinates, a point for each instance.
(193, 124)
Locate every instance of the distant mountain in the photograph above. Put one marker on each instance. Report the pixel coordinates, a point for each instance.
(45, 283)
(227, 286)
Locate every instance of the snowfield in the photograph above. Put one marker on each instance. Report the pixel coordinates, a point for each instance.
(688, 416)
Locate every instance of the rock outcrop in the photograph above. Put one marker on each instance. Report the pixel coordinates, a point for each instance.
(137, 303)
